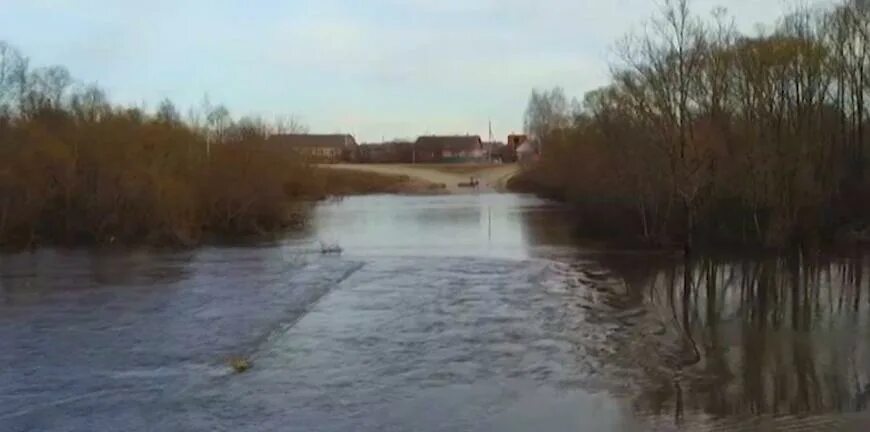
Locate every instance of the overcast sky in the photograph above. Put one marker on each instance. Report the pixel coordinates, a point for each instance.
(391, 68)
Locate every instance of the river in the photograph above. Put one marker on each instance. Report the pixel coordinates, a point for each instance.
(443, 313)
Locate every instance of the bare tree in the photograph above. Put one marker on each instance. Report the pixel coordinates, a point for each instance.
(45, 88)
(218, 120)
(13, 71)
(701, 120)
(89, 103)
(167, 113)
(546, 112)
(289, 124)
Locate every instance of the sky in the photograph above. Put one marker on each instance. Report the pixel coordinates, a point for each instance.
(373, 68)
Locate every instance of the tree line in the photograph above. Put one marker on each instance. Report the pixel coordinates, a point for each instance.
(708, 135)
(75, 168)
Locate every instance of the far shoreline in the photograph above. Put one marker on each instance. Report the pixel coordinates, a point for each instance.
(431, 178)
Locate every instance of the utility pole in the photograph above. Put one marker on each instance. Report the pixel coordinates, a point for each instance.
(491, 143)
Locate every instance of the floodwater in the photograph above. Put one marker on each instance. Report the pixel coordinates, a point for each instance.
(448, 313)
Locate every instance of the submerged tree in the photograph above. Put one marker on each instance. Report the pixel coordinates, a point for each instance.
(74, 168)
(706, 134)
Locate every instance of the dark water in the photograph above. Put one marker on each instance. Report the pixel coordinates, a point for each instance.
(443, 313)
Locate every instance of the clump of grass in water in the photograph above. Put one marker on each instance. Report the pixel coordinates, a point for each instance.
(240, 364)
(330, 249)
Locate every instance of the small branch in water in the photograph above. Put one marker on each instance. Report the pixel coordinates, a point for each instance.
(330, 248)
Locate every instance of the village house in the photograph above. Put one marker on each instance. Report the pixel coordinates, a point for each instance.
(370, 153)
(388, 152)
(457, 148)
(319, 148)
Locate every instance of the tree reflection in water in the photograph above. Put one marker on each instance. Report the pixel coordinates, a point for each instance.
(747, 337)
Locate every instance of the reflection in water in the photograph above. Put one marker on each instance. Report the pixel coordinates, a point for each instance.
(493, 225)
(30, 276)
(475, 312)
(746, 337)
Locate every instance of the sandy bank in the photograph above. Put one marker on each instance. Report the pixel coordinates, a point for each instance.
(491, 178)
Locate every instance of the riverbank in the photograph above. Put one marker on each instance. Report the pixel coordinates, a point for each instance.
(348, 182)
(439, 178)
(290, 212)
(77, 170)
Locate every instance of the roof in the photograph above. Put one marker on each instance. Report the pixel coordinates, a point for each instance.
(312, 140)
(452, 143)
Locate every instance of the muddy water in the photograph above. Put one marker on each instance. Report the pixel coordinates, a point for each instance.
(442, 313)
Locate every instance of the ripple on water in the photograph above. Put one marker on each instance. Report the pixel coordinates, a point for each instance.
(399, 330)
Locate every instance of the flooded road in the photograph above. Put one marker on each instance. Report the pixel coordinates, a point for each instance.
(445, 313)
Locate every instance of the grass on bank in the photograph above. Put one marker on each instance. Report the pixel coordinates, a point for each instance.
(470, 168)
(340, 182)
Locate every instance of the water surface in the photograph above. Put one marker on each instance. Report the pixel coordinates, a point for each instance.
(462, 312)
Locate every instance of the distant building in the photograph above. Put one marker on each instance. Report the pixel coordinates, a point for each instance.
(388, 152)
(319, 148)
(456, 148)
(370, 153)
(506, 154)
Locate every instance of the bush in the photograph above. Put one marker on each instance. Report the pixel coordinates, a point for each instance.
(75, 169)
(128, 178)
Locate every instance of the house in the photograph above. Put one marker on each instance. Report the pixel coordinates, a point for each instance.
(388, 152)
(369, 153)
(318, 148)
(456, 148)
(506, 154)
